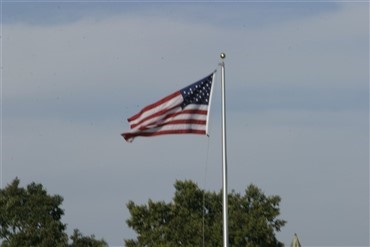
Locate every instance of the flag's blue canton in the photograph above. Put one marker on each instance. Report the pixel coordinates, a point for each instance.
(198, 92)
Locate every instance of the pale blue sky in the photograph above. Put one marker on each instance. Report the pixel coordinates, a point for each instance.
(297, 78)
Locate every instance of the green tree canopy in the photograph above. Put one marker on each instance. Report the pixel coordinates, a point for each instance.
(80, 240)
(31, 217)
(194, 217)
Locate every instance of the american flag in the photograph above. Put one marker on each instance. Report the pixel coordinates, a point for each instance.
(182, 112)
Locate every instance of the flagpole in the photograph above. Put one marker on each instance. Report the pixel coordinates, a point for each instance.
(224, 158)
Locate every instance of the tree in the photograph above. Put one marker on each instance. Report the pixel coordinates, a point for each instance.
(194, 217)
(85, 241)
(31, 217)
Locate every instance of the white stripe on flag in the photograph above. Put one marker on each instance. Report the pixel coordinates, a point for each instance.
(166, 105)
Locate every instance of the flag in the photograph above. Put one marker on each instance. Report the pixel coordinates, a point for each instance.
(182, 112)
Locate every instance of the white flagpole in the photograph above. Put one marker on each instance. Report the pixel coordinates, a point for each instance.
(224, 160)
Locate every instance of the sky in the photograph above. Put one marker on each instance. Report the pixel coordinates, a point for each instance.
(297, 91)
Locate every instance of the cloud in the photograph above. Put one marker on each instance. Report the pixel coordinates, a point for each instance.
(297, 92)
(125, 54)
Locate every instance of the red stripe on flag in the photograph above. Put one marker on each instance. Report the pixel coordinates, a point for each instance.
(157, 114)
(149, 107)
(128, 136)
(165, 117)
(180, 121)
(190, 112)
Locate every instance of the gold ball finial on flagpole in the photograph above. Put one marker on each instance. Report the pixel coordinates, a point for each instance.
(222, 55)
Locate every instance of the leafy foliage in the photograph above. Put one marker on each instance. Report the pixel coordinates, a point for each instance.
(86, 241)
(194, 217)
(31, 217)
